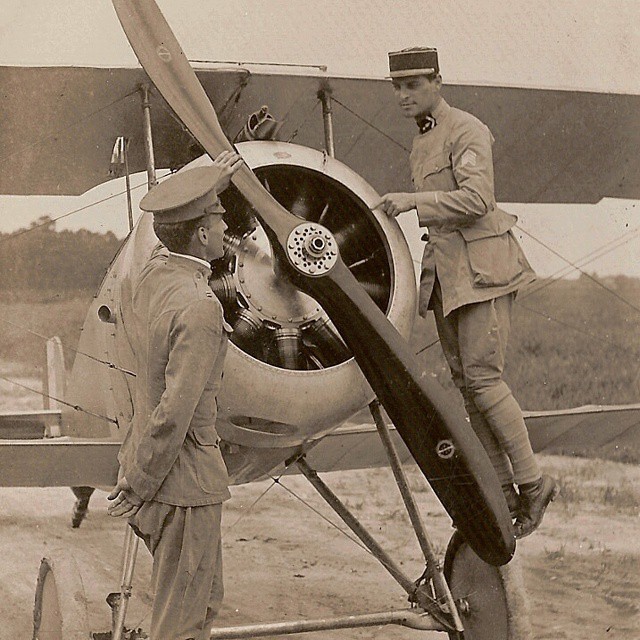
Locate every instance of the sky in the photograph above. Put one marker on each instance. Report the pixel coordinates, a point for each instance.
(581, 44)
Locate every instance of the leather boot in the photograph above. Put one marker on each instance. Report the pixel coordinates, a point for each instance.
(512, 498)
(534, 500)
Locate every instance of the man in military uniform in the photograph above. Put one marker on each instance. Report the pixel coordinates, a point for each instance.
(173, 479)
(471, 269)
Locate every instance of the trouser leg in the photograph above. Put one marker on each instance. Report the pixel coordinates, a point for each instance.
(483, 332)
(187, 569)
(448, 333)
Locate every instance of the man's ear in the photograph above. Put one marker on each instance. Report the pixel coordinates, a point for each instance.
(202, 234)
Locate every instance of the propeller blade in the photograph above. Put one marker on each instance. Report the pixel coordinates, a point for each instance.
(444, 447)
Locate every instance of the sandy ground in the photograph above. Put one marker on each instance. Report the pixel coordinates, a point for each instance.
(284, 561)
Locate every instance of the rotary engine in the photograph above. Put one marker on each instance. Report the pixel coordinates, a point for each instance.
(288, 378)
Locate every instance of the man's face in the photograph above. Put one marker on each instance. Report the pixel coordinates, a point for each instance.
(215, 232)
(417, 95)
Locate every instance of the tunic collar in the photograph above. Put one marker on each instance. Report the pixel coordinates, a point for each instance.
(441, 111)
(192, 263)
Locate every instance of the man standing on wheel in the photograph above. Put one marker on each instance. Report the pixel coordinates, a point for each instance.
(472, 268)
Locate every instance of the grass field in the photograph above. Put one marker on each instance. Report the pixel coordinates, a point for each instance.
(572, 343)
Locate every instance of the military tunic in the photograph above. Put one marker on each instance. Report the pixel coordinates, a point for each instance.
(171, 455)
(471, 247)
(471, 269)
(172, 451)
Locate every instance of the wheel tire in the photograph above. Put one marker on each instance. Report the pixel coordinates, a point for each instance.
(60, 611)
(491, 600)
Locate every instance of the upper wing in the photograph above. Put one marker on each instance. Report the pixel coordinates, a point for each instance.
(59, 125)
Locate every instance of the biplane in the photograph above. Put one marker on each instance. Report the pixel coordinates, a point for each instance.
(318, 285)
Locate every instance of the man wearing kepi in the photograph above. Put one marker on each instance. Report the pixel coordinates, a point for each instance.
(471, 270)
(173, 478)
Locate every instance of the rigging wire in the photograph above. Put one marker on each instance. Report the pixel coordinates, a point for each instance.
(317, 512)
(75, 123)
(77, 407)
(373, 126)
(111, 365)
(21, 232)
(616, 243)
(581, 262)
(255, 502)
(584, 273)
(597, 338)
(304, 122)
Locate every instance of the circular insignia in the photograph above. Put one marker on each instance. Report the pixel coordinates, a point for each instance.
(163, 53)
(445, 449)
(281, 155)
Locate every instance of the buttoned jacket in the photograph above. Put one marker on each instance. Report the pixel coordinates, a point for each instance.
(470, 245)
(171, 453)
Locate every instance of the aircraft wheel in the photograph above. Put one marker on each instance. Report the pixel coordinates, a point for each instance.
(491, 600)
(60, 611)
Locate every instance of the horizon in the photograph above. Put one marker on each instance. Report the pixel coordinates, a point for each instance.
(610, 228)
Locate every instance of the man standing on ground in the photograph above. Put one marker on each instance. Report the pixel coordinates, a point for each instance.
(173, 479)
(471, 269)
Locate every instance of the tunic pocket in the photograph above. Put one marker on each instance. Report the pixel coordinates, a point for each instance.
(436, 174)
(205, 436)
(494, 260)
(436, 163)
(211, 473)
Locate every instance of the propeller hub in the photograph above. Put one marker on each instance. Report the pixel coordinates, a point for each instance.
(312, 249)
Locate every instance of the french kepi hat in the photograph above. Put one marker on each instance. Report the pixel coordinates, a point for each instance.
(186, 195)
(416, 61)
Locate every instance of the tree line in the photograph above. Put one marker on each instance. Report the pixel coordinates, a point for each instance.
(44, 261)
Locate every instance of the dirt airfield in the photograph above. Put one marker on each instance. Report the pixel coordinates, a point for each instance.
(285, 560)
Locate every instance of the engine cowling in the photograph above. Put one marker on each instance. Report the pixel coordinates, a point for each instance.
(289, 378)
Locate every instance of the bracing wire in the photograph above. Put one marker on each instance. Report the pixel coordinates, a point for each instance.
(586, 259)
(304, 122)
(276, 481)
(39, 141)
(597, 338)
(21, 232)
(111, 365)
(579, 268)
(77, 407)
(370, 124)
